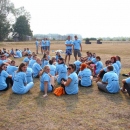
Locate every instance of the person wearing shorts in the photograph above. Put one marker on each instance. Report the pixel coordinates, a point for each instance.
(77, 47)
(68, 44)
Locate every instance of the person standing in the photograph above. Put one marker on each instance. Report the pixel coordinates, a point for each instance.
(77, 47)
(37, 44)
(68, 44)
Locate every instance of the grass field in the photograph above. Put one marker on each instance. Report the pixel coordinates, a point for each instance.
(89, 110)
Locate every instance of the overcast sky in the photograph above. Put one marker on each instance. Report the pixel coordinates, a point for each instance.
(90, 18)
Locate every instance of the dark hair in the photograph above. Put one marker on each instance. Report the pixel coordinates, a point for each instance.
(118, 58)
(73, 66)
(44, 56)
(114, 59)
(12, 61)
(50, 62)
(20, 67)
(1, 67)
(107, 62)
(110, 68)
(98, 57)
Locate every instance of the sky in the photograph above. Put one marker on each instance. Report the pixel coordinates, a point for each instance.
(90, 18)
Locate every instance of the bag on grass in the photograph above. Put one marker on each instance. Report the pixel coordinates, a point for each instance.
(59, 91)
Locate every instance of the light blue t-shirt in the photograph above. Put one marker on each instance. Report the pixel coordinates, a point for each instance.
(52, 69)
(94, 60)
(29, 72)
(128, 80)
(113, 82)
(116, 68)
(26, 59)
(45, 77)
(36, 69)
(68, 42)
(47, 43)
(28, 52)
(37, 43)
(43, 43)
(3, 76)
(44, 63)
(18, 53)
(85, 77)
(31, 62)
(119, 65)
(99, 66)
(57, 57)
(77, 63)
(19, 83)
(61, 69)
(72, 88)
(76, 44)
(11, 69)
(1, 62)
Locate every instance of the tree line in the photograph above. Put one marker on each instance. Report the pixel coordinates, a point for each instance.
(14, 22)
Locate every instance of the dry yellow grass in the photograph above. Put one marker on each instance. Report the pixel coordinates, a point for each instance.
(89, 110)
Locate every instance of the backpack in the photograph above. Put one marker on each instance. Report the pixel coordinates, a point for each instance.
(59, 91)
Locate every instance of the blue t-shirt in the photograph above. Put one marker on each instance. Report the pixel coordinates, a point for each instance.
(11, 69)
(45, 77)
(57, 57)
(44, 63)
(37, 43)
(28, 52)
(113, 82)
(31, 62)
(1, 62)
(36, 69)
(3, 76)
(52, 69)
(94, 60)
(77, 63)
(76, 44)
(43, 43)
(99, 66)
(72, 88)
(127, 80)
(68, 42)
(116, 68)
(18, 53)
(26, 59)
(47, 43)
(85, 77)
(61, 69)
(29, 72)
(19, 83)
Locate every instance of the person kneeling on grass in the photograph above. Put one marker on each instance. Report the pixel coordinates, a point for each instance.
(110, 82)
(85, 76)
(126, 85)
(20, 85)
(46, 81)
(71, 85)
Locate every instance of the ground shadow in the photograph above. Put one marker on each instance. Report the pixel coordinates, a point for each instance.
(86, 90)
(70, 101)
(13, 100)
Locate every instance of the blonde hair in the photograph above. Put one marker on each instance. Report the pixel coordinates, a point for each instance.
(44, 69)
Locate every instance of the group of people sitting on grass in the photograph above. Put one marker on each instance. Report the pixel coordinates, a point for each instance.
(53, 69)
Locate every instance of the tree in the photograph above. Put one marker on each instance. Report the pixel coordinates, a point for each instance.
(6, 8)
(22, 28)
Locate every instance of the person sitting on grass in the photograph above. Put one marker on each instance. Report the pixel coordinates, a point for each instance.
(110, 82)
(126, 85)
(46, 81)
(5, 78)
(28, 58)
(77, 64)
(52, 68)
(37, 69)
(61, 70)
(44, 60)
(18, 54)
(103, 71)
(58, 56)
(32, 61)
(118, 61)
(20, 85)
(85, 76)
(71, 84)
(4, 60)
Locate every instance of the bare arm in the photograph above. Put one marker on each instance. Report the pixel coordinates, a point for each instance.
(67, 82)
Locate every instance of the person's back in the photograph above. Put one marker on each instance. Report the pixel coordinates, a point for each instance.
(113, 82)
(31, 62)
(99, 66)
(77, 63)
(19, 81)
(18, 53)
(52, 69)
(11, 69)
(29, 75)
(72, 88)
(85, 77)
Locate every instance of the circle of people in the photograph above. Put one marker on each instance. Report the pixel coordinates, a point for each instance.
(53, 69)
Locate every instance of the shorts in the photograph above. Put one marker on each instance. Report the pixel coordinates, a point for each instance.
(77, 52)
(48, 48)
(68, 52)
(43, 47)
